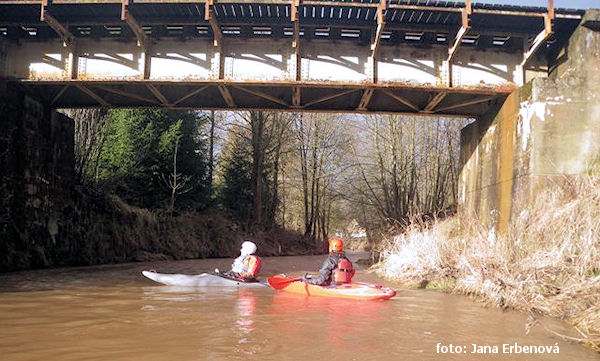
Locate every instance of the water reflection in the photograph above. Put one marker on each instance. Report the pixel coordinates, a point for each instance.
(246, 307)
(343, 324)
(245, 322)
(335, 307)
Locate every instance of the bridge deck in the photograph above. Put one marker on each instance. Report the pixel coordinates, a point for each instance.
(166, 17)
(360, 55)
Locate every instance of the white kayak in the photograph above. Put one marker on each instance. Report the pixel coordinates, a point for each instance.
(201, 280)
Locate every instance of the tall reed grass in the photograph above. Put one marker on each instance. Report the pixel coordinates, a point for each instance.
(547, 263)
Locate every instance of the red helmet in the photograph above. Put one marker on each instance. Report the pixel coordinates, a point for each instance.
(336, 244)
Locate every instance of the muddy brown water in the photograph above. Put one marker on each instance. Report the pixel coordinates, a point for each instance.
(114, 313)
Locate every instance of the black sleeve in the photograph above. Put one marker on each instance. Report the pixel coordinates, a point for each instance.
(325, 272)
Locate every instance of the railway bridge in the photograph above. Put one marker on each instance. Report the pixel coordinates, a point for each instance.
(425, 57)
(528, 76)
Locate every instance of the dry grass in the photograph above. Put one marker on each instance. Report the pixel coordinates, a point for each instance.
(548, 262)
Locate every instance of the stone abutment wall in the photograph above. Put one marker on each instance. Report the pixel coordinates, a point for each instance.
(37, 175)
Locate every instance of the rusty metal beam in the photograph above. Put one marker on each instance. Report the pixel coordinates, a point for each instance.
(208, 102)
(147, 63)
(297, 52)
(464, 29)
(296, 38)
(69, 40)
(226, 95)
(382, 6)
(380, 26)
(296, 97)
(365, 99)
(92, 95)
(466, 104)
(62, 31)
(437, 99)
(59, 94)
(262, 95)
(125, 94)
(402, 100)
(221, 65)
(306, 84)
(217, 37)
(539, 40)
(467, 10)
(462, 32)
(457, 41)
(208, 4)
(542, 36)
(187, 96)
(74, 60)
(377, 41)
(142, 39)
(158, 94)
(214, 24)
(329, 97)
(216, 29)
(294, 10)
(551, 10)
(434, 116)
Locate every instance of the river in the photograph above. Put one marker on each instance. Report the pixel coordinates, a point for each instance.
(112, 312)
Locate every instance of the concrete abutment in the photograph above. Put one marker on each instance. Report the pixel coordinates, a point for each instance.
(543, 133)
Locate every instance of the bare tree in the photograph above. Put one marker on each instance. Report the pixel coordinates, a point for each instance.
(176, 182)
(409, 167)
(313, 172)
(321, 145)
(265, 136)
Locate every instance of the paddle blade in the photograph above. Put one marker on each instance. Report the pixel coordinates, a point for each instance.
(279, 282)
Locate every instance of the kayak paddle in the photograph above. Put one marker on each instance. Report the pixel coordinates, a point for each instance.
(280, 282)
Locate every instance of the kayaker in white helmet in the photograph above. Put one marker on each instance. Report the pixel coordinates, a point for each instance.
(247, 265)
(336, 269)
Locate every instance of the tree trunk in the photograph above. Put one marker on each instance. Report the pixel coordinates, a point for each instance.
(303, 147)
(258, 121)
(211, 152)
(275, 194)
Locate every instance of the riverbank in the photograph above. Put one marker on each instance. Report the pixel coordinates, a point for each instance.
(92, 229)
(548, 263)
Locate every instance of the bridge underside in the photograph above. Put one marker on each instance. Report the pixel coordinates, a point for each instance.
(400, 56)
(266, 96)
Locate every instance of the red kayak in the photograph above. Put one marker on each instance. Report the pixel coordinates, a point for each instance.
(355, 290)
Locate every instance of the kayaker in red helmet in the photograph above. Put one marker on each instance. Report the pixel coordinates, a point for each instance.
(336, 268)
(247, 265)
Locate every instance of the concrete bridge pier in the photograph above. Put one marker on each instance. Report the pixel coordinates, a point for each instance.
(545, 131)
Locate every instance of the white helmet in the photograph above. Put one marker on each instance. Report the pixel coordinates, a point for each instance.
(248, 248)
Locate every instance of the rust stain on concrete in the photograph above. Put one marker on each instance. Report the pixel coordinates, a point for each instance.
(507, 118)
